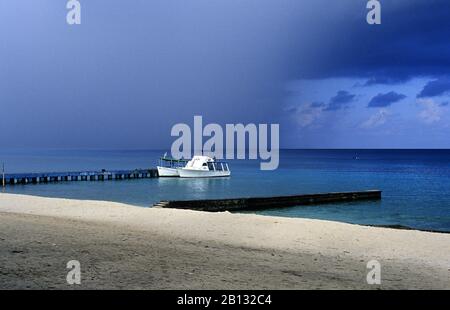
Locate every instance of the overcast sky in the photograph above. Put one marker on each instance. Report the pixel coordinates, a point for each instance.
(134, 68)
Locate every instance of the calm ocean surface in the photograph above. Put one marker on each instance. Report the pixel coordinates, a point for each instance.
(415, 183)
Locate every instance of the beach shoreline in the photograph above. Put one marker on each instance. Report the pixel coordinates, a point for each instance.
(122, 246)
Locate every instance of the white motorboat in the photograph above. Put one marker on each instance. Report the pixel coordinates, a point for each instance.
(168, 167)
(204, 167)
(167, 172)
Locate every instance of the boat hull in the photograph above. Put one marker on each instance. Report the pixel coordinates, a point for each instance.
(167, 172)
(193, 173)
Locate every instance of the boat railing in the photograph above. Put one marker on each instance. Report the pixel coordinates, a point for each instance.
(172, 162)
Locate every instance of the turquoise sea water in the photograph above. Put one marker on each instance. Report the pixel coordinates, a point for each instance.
(415, 183)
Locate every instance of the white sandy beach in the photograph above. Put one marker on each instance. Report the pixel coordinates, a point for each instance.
(122, 246)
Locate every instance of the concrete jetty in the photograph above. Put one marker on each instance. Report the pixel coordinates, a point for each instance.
(255, 203)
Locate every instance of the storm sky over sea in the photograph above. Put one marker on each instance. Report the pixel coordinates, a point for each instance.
(133, 69)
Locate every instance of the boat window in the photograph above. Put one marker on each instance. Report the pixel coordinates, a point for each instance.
(211, 166)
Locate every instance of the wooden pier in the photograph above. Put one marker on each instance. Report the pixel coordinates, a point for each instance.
(258, 203)
(103, 175)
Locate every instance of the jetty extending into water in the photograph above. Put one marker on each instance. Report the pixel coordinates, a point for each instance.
(102, 175)
(255, 203)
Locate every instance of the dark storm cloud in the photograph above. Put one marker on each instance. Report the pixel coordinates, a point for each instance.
(435, 88)
(147, 65)
(291, 109)
(377, 80)
(340, 101)
(317, 104)
(411, 41)
(385, 100)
